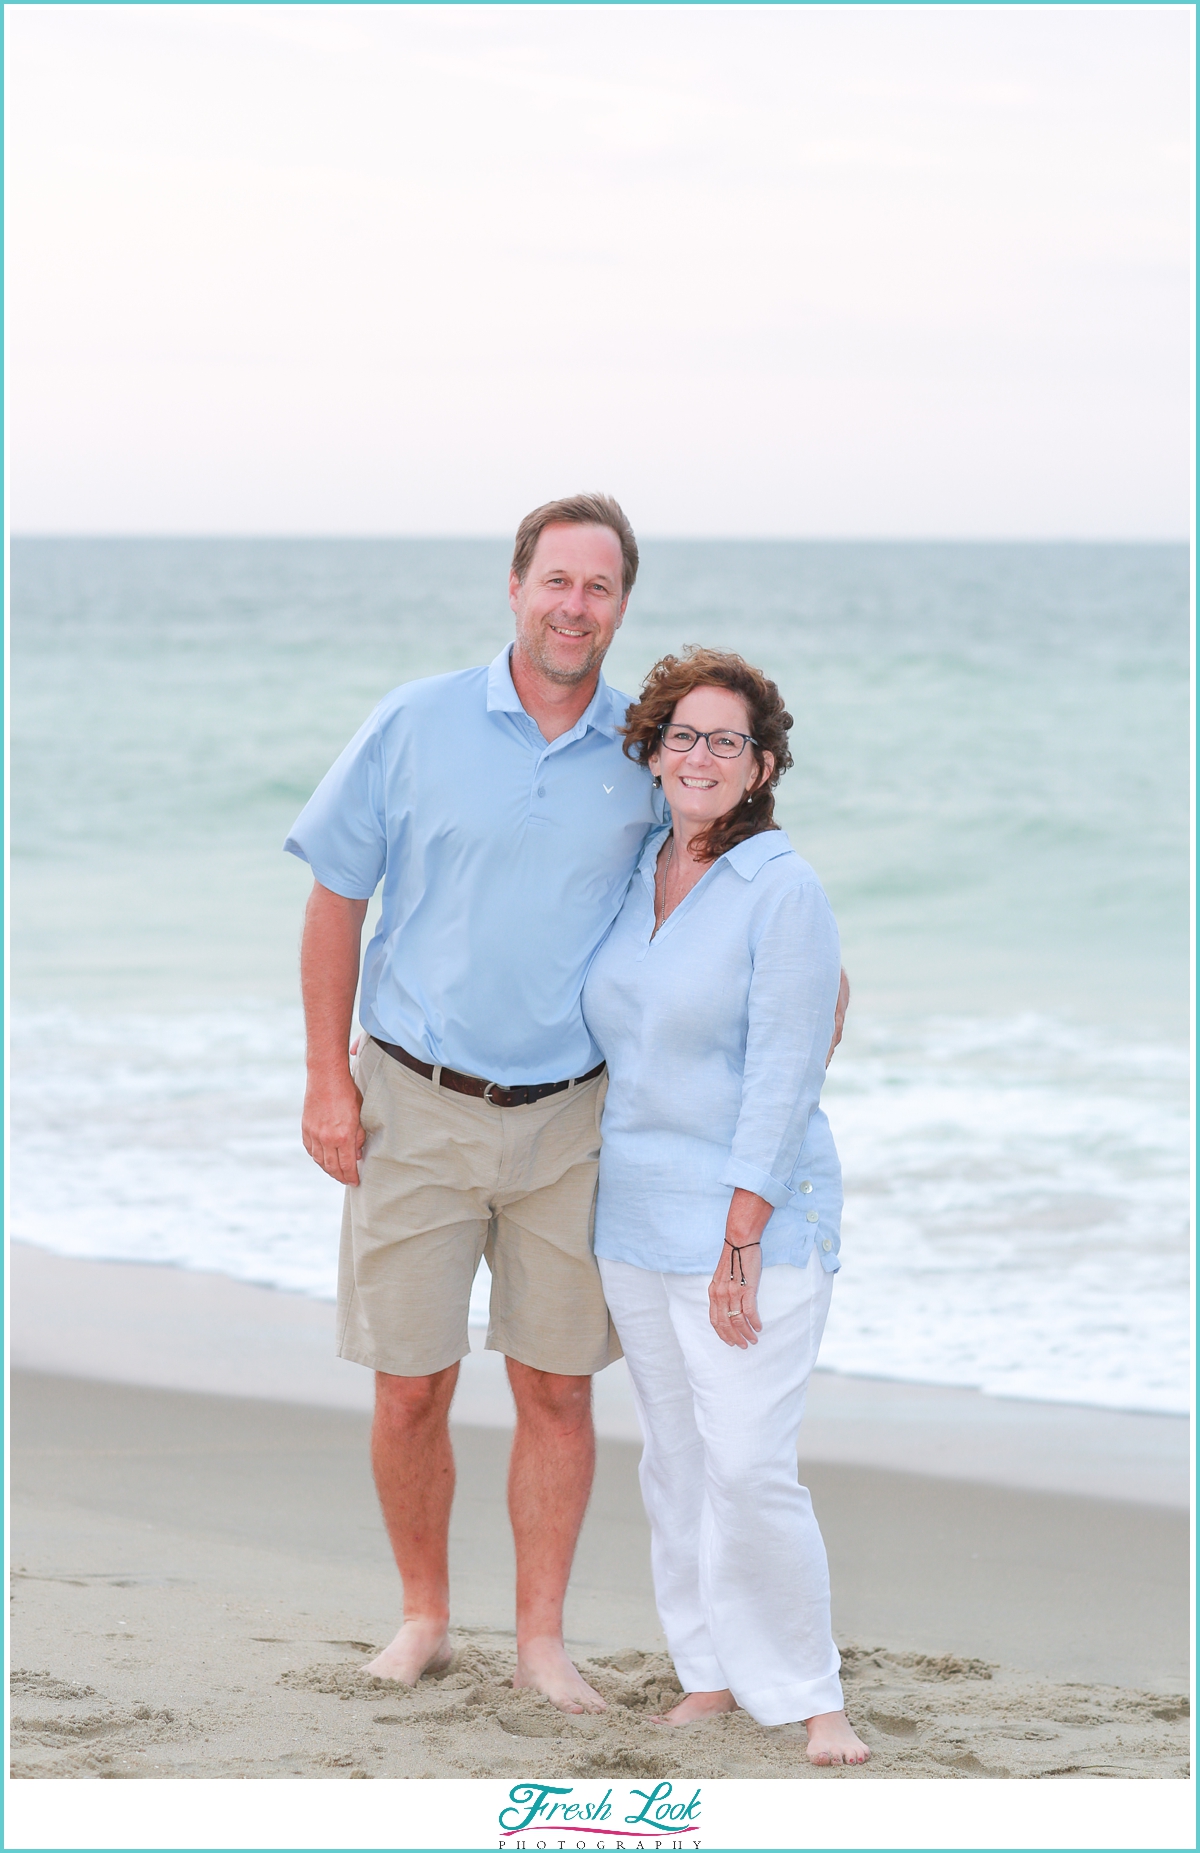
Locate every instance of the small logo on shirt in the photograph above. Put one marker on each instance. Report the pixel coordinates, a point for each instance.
(606, 787)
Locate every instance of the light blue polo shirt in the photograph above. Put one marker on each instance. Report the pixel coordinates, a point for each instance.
(504, 861)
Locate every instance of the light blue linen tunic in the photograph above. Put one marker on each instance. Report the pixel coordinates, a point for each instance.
(503, 859)
(715, 1031)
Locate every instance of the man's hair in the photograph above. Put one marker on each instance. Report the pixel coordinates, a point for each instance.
(673, 677)
(592, 511)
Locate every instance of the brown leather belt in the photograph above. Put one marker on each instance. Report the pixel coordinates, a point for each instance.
(491, 1091)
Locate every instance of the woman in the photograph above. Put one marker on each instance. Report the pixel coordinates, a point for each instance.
(713, 1001)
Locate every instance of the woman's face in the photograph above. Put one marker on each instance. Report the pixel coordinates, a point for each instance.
(699, 785)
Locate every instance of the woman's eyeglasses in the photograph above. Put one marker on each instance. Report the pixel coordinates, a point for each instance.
(722, 743)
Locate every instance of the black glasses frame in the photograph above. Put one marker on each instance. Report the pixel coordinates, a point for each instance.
(734, 732)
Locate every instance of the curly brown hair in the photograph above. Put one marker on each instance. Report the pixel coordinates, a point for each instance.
(673, 677)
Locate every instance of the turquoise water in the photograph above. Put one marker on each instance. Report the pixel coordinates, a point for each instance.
(991, 778)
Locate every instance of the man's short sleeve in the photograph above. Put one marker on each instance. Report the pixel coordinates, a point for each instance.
(342, 830)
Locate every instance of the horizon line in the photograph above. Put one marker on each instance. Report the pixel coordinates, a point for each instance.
(830, 540)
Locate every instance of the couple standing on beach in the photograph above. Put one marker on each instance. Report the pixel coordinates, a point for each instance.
(591, 924)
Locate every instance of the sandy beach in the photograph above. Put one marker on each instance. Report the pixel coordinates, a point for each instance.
(200, 1575)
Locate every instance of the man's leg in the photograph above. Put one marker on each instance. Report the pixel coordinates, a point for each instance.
(548, 1310)
(549, 1482)
(414, 1476)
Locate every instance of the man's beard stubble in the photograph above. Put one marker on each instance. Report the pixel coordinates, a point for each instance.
(554, 672)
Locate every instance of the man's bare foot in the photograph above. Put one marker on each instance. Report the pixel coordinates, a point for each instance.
(697, 1706)
(420, 1647)
(543, 1666)
(831, 1739)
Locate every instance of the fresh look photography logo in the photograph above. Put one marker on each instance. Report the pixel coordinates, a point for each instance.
(561, 1814)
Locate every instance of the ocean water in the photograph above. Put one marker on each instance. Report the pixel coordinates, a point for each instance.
(991, 778)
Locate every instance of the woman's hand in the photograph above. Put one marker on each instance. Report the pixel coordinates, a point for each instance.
(839, 1014)
(732, 1303)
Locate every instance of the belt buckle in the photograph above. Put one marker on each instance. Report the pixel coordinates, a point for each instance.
(487, 1094)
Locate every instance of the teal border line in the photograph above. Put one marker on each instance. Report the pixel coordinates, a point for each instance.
(913, 6)
(795, 6)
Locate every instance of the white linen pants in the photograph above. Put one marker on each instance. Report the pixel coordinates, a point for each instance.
(740, 1574)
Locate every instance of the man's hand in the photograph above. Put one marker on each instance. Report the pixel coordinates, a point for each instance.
(839, 1016)
(330, 1125)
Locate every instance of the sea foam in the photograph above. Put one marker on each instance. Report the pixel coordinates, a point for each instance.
(1016, 1191)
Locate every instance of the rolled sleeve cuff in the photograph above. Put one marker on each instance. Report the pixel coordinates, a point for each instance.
(743, 1176)
(335, 881)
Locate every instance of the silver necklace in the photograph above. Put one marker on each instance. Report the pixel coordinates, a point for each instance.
(659, 918)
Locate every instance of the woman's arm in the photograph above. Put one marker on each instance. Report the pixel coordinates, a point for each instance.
(790, 1013)
(793, 997)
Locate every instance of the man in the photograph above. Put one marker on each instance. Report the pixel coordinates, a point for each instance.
(504, 820)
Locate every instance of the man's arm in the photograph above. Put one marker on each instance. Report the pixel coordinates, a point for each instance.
(329, 959)
(839, 1015)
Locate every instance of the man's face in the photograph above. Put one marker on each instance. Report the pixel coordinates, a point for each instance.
(570, 604)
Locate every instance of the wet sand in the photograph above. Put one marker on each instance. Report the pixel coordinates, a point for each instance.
(169, 1328)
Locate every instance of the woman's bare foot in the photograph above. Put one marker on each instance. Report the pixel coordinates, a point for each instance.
(420, 1647)
(696, 1706)
(543, 1666)
(831, 1739)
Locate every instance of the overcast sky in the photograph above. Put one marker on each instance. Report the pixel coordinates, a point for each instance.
(796, 271)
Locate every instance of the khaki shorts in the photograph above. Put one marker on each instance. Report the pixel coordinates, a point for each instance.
(446, 1179)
